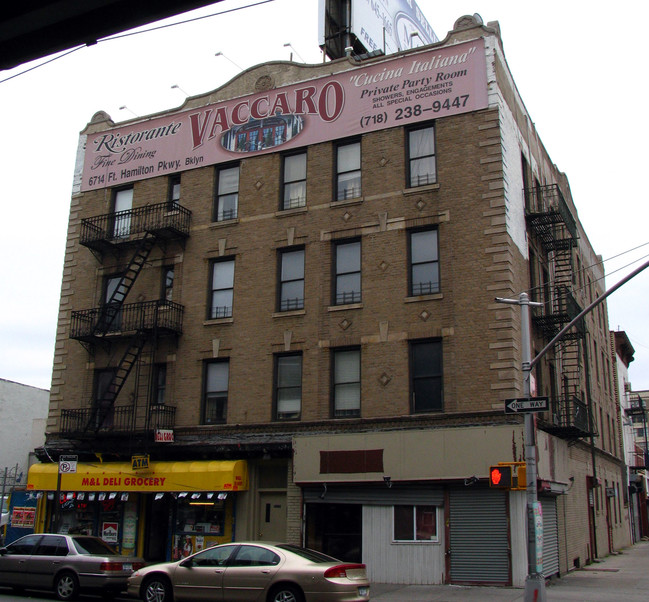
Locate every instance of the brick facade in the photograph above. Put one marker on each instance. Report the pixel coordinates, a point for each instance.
(470, 205)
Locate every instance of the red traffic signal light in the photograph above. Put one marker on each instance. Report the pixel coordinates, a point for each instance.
(500, 477)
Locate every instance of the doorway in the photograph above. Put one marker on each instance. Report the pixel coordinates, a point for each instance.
(336, 530)
(157, 528)
(271, 518)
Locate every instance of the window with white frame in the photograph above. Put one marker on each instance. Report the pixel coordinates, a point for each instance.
(227, 194)
(421, 157)
(424, 262)
(348, 171)
(288, 386)
(415, 523)
(222, 289)
(294, 182)
(173, 196)
(215, 401)
(291, 280)
(347, 271)
(346, 382)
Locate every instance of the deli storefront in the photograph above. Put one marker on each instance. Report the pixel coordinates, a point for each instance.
(163, 511)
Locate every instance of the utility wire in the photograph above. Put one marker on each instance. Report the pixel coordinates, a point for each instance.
(594, 265)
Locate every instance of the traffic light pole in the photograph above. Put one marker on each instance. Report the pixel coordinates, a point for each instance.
(534, 582)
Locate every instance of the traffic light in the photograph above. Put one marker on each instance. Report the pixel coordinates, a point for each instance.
(508, 475)
(500, 476)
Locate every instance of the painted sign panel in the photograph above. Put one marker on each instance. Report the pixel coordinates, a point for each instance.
(421, 86)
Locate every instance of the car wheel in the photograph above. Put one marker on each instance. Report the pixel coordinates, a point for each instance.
(66, 586)
(157, 589)
(286, 593)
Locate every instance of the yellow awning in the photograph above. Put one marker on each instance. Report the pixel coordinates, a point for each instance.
(215, 475)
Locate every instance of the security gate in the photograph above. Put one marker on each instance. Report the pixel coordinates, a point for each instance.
(479, 537)
(550, 537)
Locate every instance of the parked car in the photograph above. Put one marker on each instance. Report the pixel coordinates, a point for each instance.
(65, 565)
(247, 571)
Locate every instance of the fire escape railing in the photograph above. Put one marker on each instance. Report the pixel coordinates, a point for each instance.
(165, 220)
(119, 419)
(146, 316)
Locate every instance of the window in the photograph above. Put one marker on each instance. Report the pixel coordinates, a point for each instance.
(227, 193)
(222, 289)
(216, 391)
(424, 263)
(52, 546)
(347, 273)
(122, 205)
(288, 386)
(415, 523)
(291, 289)
(421, 156)
(104, 398)
(294, 181)
(214, 556)
(167, 283)
(173, 196)
(254, 556)
(426, 375)
(24, 545)
(158, 392)
(348, 171)
(346, 383)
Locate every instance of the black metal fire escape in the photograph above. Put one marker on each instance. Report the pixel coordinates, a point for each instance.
(114, 321)
(550, 220)
(114, 304)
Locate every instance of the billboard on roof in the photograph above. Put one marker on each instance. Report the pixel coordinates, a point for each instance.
(372, 25)
(426, 84)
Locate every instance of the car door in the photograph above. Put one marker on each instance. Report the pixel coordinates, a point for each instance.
(46, 559)
(14, 567)
(249, 573)
(200, 577)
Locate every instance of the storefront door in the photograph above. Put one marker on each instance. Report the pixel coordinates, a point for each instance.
(271, 519)
(157, 528)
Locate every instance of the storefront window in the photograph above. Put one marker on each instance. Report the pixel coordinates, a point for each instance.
(111, 516)
(199, 522)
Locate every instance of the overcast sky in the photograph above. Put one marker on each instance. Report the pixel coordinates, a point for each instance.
(581, 73)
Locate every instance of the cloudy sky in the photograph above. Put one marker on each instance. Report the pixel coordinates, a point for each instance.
(581, 73)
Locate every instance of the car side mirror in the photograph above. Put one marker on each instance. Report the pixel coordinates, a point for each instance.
(187, 563)
(3, 551)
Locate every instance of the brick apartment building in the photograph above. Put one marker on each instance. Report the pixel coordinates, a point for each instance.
(278, 321)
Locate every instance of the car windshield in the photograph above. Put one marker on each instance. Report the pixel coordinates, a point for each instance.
(311, 555)
(91, 545)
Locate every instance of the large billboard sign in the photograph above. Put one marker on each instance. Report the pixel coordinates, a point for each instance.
(386, 25)
(390, 25)
(420, 86)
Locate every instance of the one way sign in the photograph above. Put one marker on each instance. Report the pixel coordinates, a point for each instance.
(526, 404)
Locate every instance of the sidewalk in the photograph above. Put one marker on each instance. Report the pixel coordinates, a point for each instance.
(623, 576)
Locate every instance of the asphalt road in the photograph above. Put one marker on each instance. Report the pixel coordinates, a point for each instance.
(7, 595)
(623, 576)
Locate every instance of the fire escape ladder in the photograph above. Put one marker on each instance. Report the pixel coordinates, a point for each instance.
(113, 305)
(570, 353)
(103, 407)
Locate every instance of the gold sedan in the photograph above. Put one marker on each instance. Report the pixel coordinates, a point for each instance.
(252, 572)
